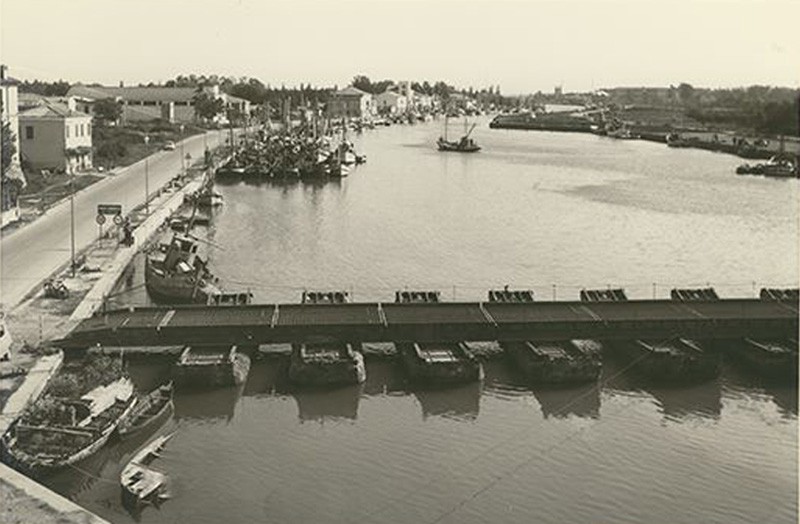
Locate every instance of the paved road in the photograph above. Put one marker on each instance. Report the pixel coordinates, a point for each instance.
(32, 253)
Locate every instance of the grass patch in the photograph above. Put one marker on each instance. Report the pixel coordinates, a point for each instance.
(119, 146)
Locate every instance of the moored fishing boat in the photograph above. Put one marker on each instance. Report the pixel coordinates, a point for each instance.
(174, 272)
(148, 409)
(69, 431)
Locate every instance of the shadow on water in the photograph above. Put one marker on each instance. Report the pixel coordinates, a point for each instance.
(321, 405)
(206, 404)
(580, 400)
(783, 393)
(675, 401)
(456, 402)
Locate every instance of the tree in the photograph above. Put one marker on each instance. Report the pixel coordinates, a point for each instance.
(363, 83)
(108, 110)
(207, 107)
(685, 92)
(9, 148)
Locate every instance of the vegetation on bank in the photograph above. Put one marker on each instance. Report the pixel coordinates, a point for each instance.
(118, 146)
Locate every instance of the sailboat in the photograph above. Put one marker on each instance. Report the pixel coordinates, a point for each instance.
(464, 145)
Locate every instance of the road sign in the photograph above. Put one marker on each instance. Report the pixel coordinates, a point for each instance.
(100, 219)
(109, 209)
(118, 220)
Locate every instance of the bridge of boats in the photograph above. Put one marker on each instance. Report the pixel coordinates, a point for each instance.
(474, 321)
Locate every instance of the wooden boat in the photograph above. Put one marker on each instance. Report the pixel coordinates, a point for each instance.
(148, 409)
(463, 145)
(37, 448)
(175, 272)
(142, 484)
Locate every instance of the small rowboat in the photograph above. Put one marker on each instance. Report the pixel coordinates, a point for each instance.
(149, 409)
(142, 484)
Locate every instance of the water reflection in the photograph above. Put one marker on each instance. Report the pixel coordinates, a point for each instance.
(783, 394)
(676, 401)
(456, 402)
(214, 404)
(579, 401)
(384, 377)
(321, 405)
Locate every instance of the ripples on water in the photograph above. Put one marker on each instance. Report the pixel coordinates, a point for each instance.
(531, 209)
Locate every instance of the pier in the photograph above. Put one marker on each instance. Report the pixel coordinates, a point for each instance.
(476, 321)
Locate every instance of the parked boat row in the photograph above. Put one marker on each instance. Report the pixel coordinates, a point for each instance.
(303, 153)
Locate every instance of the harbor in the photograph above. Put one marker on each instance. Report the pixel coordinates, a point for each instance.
(381, 328)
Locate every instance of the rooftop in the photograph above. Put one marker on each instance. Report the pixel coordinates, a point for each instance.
(351, 91)
(50, 109)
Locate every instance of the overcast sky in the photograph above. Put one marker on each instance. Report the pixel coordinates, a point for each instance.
(523, 46)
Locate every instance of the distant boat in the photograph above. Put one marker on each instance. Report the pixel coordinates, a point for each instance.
(464, 145)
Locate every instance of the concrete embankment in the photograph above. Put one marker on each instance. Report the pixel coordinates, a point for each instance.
(24, 501)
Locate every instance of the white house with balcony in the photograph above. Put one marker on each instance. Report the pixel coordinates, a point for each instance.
(56, 136)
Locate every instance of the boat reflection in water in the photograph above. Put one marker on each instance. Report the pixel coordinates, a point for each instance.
(571, 401)
(210, 404)
(460, 402)
(328, 404)
(674, 401)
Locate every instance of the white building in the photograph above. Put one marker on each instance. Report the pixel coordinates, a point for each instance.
(57, 137)
(173, 104)
(391, 103)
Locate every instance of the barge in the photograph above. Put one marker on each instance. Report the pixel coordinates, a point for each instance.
(672, 359)
(175, 273)
(556, 362)
(549, 362)
(209, 367)
(439, 363)
(435, 362)
(326, 364)
(773, 359)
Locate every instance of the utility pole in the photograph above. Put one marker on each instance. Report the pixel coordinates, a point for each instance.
(146, 186)
(72, 221)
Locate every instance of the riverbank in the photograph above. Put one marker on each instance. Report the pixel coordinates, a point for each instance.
(39, 319)
(24, 501)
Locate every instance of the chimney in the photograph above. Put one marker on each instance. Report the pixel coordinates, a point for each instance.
(121, 83)
(3, 70)
(71, 103)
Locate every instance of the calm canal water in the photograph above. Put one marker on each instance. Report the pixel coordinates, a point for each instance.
(531, 210)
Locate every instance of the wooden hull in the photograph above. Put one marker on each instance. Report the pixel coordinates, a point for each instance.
(173, 288)
(34, 466)
(570, 365)
(459, 366)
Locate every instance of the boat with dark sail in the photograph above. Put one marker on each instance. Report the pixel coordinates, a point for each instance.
(464, 145)
(175, 273)
(43, 440)
(148, 409)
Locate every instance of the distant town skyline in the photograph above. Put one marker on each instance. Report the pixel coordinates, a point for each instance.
(523, 46)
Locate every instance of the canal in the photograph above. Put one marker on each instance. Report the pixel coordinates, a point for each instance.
(544, 211)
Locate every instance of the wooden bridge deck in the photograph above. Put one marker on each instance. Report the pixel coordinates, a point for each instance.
(374, 322)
